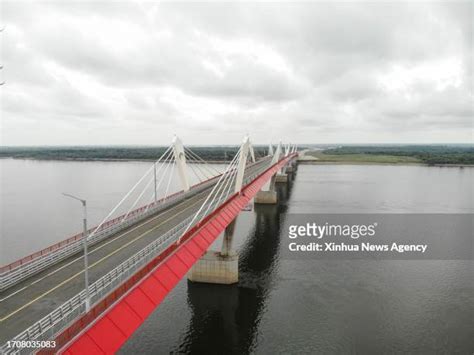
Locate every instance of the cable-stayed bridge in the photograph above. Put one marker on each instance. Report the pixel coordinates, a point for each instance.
(90, 292)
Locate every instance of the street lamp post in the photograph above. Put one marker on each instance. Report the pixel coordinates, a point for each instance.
(84, 242)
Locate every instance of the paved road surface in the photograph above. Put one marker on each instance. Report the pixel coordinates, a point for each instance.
(32, 299)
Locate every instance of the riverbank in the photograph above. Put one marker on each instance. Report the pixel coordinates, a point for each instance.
(431, 155)
(105, 160)
(326, 157)
(222, 162)
(211, 154)
(321, 156)
(316, 162)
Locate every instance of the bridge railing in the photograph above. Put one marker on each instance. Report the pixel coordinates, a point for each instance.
(56, 321)
(12, 277)
(78, 236)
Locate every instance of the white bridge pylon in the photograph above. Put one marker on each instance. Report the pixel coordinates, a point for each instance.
(230, 182)
(158, 182)
(161, 176)
(245, 148)
(180, 159)
(276, 157)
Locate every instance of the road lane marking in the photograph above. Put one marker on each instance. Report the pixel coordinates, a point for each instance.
(94, 264)
(14, 293)
(93, 250)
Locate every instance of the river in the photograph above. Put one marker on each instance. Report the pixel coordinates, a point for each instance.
(279, 305)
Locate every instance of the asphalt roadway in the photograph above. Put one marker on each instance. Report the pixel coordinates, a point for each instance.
(35, 297)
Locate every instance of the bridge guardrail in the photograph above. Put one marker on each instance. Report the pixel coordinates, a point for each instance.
(56, 321)
(49, 325)
(24, 260)
(52, 248)
(11, 278)
(74, 238)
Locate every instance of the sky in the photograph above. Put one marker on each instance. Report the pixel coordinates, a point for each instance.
(138, 72)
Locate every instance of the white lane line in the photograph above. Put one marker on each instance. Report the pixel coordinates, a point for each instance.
(13, 294)
(91, 252)
(100, 261)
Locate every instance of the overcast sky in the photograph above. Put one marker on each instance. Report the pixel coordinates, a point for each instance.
(138, 72)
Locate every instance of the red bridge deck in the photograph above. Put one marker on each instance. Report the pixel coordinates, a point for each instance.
(117, 317)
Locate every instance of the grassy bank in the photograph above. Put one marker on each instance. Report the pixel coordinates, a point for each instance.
(457, 155)
(323, 157)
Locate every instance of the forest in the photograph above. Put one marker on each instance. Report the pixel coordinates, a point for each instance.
(428, 154)
(217, 153)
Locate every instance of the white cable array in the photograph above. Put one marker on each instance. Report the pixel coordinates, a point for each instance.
(196, 164)
(223, 190)
(228, 189)
(203, 170)
(169, 180)
(230, 174)
(222, 178)
(145, 188)
(193, 169)
(126, 195)
(167, 163)
(206, 165)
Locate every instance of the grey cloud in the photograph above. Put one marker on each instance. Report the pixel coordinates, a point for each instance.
(168, 63)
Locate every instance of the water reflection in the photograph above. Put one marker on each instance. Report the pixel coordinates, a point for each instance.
(225, 319)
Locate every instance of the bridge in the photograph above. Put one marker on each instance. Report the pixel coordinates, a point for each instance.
(89, 293)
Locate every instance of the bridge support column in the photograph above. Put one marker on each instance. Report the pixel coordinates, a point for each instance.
(283, 177)
(218, 267)
(292, 166)
(266, 197)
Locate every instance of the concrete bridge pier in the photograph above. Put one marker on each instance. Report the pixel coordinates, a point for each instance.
(267, 195)
(218, 267)
(291, 168)
(281, 177)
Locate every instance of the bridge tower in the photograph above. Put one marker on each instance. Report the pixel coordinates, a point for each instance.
(252, 153)
(180, 158)
(282, 175)
(244, 152)
(268, 194)
(291, 167)
(270, 149)
(222, 267)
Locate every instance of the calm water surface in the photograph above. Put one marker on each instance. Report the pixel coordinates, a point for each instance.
(285, 306)
(34, 213)
(279, 305)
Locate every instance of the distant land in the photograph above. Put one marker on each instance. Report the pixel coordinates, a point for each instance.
(397, 154)
(90, 153)
(435, 154)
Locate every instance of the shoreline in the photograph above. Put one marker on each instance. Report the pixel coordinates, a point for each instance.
(105, 160)
(316, 162)
(304, 162)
